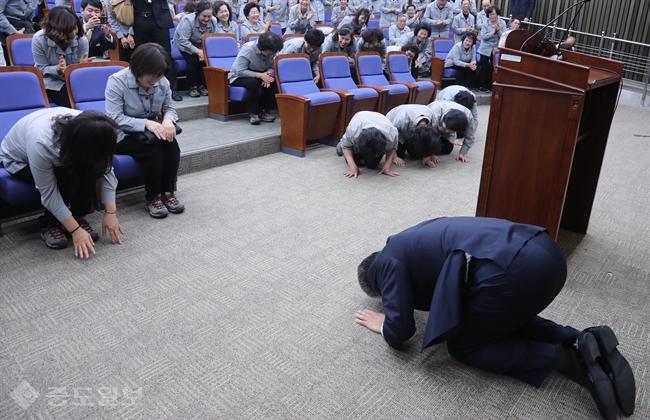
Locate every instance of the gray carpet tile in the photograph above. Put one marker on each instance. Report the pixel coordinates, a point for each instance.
(243, 306)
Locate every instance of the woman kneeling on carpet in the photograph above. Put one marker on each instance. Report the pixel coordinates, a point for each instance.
(50, 150)
(135, 97)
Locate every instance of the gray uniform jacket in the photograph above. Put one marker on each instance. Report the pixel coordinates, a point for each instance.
(489, 39)
(406, 117)
(189, 33)
(297, 46)
(300, 25)
(388, 17)
(349, 20)
(420, 5)
(231, 29)
(369, 119)
(248, 28)
(19, 9)
(448, 94)
(131, 106)
(433, 13)
(280, 15)
(333, 46)
(319, 8)
(249, 61)
(412, 22)
(46, 57)
(481, 17)
(242, 17)
(395, 34)
(459, 56)
(31, 142)
(460, 25)
(440, 108)
(426, 51)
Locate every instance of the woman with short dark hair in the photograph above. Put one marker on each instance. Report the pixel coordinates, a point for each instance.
(63, 152)
(223, 13)
(253, 23)
(60, 43)
(489, 34)
(342, 40)
(134, 98)
(253, 70)
(462, 58)
(359, 21)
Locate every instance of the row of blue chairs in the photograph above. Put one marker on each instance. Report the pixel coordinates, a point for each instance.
(298, 93)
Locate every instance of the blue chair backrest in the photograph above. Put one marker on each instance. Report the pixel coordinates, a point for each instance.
(221, 51)
(294, 74)
(371, 71)
(50, 4)
(179, 62)
(336, 73)
(276, 28)
(441, 47)
(478, 56)
(88, 86)
(398, 67)
(328, 17)
(21, 95)
(373, 23)
(386, 30)
(253, 38)
(180, 7)
(21, 52)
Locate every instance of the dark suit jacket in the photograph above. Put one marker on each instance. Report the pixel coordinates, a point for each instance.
(521, 9)
(98, 37)
(160, 10)
(424, 268)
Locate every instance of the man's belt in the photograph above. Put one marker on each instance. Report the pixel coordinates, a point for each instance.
(145, 14)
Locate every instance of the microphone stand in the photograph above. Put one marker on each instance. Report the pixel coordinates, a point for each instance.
(542, 44)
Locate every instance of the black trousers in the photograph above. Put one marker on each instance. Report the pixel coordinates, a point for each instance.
(59, 97)
(256, 102)
(125, 53)
(486, 71)
(75, 190)
(447, 146)
(464, 76)
(159, 163)
(194, 73)
(145, 30)
(501, 331)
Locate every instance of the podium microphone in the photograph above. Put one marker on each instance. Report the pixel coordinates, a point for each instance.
(542, 45)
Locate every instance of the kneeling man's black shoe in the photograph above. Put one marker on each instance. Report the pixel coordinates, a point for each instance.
(616, 367)
(582, 367)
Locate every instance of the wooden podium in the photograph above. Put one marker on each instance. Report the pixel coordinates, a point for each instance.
(547, 132)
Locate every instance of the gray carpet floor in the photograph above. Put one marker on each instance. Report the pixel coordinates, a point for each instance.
(243, 307)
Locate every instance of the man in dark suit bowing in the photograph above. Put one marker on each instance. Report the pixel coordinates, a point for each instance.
(152, 23)
(98, 33)
(484, 281)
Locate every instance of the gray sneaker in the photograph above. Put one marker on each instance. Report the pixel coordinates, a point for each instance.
(339, 149)
(156, 208)
(255, 119)
(173, 205)
(54, 237)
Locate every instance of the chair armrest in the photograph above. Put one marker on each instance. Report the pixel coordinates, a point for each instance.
(407, 84)
(342, 93)
(379, 89)
(296, 98)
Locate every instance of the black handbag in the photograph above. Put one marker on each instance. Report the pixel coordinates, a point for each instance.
(148, 137)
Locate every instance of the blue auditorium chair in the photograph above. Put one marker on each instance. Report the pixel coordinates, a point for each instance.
(370, 73)
(19, 49)
(179, 62)
(86, 84)
(220, 51)
(422, 91)
(23, 92)
(335, 74)
(441, 48)
(306, 112)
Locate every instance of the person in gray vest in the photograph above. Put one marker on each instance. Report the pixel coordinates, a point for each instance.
(341, 40)
(465, 97)
(439, 15)
(481, 17)
(416, 135)
(15, 17)
(420, 37)
(489, 34)
(448, 118)
(390, 9)
(397, 30)
(463, 21)
(302, 17)
(368, 136)
(462, 57)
